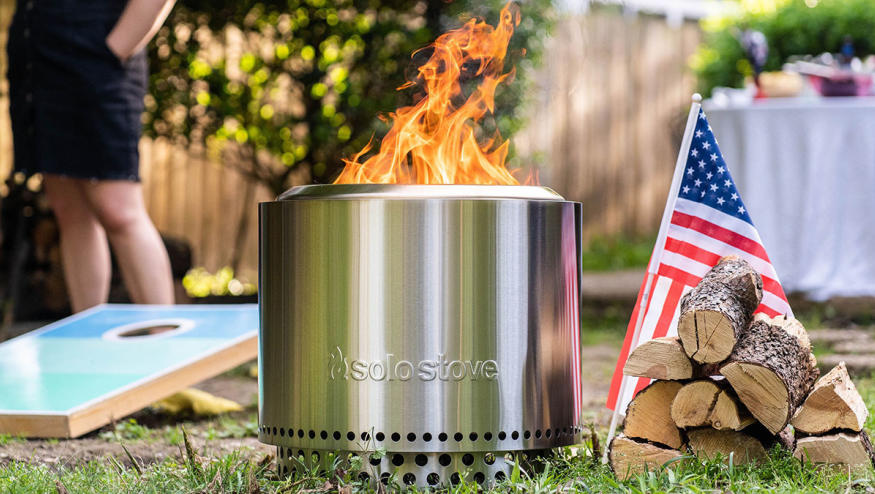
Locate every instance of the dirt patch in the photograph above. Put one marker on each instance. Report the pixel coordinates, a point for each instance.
(74, 452)
(597, 362)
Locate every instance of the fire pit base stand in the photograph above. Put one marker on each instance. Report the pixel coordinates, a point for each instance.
(411, 469)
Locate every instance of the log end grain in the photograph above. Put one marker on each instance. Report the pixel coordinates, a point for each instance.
(834, 403)
(708, 336)
(660, 358)
(648, 416)
(762, 392)
(853, 450)
(729, 414)
(629, 458)
(693, 404)
(709, 443)
(718, 309)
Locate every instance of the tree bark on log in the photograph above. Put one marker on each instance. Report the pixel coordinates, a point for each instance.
(850, 449)
(660, 358)
(708, 443)
(648, 415)
(718, 309)
(834, 403)
(628, 457)
(772, 370)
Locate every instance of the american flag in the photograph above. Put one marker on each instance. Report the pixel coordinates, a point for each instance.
(707, 221)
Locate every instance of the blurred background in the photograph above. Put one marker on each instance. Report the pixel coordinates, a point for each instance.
(248, 98)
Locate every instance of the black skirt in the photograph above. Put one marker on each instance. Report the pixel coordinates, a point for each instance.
(75, 107)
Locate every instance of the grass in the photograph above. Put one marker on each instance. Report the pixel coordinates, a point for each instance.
(567, 472)
(570, 470)
(617, 252)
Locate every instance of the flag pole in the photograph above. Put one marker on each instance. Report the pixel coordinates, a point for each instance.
(679, 166)
(653, 265)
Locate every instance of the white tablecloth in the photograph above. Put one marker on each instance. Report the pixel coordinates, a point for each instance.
(806, 172)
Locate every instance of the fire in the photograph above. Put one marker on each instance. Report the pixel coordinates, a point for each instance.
(435, 140)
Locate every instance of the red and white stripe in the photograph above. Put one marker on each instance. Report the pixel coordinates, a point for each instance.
(571, 315)
(698, 236)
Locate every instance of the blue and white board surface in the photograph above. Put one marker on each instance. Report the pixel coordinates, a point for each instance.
(83, 372)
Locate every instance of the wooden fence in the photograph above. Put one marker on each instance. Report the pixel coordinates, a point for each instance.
(609, 107)
(608, 117)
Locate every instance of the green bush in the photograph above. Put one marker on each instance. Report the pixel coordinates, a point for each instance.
(277, 86)
(793, 28)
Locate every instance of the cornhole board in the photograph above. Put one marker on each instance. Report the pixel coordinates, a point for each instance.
(85, 371)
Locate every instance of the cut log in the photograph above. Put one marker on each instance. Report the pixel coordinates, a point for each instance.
(854, 450)
(628, 457)
(729, 414)
(772, 370)
(648, 415)
(694, 403)
(660, 358)
(708, 402)
(708, 443)
(718, 309)
(834, 403)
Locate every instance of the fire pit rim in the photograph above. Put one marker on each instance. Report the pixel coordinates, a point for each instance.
(417, 191)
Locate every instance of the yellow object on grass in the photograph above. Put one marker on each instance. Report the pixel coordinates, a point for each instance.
(198, 402)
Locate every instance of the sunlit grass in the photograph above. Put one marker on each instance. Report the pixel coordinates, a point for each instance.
(568, 471)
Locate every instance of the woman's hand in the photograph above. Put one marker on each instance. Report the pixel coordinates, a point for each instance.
(137, 25)
(112, 42)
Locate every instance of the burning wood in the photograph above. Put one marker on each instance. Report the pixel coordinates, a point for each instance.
(770, 377)
(435, 140)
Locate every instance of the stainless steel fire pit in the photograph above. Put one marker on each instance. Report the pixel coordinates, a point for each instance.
(437, 323)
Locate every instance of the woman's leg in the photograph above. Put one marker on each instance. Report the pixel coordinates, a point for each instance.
(141, 255)
(84, 251)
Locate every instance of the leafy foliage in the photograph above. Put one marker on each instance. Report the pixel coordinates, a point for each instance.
(793, 28)
(278, 86)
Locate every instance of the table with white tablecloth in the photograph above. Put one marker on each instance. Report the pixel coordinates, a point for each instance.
(805, 169)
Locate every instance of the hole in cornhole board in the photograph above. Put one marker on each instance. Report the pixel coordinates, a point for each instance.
(151, 329)
(148, 331)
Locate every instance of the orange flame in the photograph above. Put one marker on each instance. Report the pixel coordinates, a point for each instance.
(434, 141)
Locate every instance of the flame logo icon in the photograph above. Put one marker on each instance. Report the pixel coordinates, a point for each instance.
(337, 364)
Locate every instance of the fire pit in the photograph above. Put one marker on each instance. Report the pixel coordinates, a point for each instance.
(437, 323)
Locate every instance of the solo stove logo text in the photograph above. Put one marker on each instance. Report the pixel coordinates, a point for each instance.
(389, 369)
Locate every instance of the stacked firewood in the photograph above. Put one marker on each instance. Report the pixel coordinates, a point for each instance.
(732, 383)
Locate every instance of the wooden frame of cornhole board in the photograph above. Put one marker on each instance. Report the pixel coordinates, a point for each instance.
(80, 373)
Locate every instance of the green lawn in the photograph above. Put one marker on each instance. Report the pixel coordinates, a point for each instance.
(571, 470)
(568, 472)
